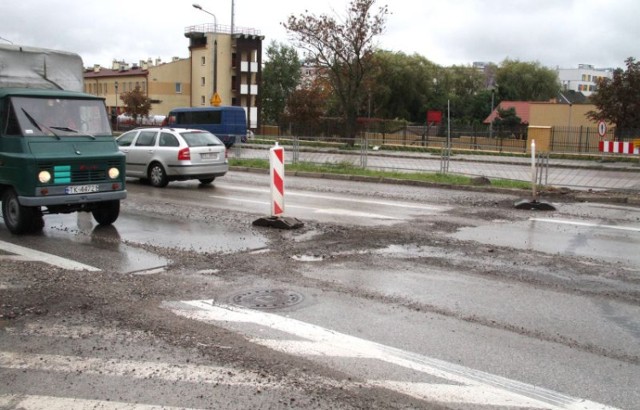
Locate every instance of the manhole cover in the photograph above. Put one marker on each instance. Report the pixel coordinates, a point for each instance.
(267, 298)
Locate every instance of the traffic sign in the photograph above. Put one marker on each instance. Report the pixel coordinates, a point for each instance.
(602, 128)
(216, 100)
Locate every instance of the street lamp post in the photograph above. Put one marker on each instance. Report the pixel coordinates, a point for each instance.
(214, 49)
(116, 113)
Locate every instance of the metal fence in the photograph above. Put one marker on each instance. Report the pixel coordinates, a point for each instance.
(494, 158)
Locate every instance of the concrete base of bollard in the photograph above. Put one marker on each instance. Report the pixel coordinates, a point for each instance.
(279, 222)
(534, 205)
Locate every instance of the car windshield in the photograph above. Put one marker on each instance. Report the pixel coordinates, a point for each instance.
(60, 116)
(200, 138)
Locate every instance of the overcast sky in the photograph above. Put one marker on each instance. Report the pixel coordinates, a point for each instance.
(556, 33)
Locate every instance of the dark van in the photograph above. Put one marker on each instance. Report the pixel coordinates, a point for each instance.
(228, 123)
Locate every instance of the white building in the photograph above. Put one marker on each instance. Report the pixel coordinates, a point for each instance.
(583, 79)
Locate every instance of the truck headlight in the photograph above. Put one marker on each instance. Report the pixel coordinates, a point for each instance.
(44, 177)
(114, 173)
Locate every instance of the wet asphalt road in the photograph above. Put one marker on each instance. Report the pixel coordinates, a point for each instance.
(389, 297)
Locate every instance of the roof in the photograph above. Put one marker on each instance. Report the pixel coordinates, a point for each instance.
(522, 110)
(107, 72)
(571, 97)
(44, 93)
(23, 66)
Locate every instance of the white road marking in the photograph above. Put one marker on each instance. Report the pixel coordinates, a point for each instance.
(342, 212)
(172, 372)
(343, 199)
(32, 254)
(585, 224)
(468, 386)
(29, 402)
(74, 332)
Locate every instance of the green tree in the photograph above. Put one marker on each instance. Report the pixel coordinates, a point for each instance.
(280, 77)
(507, 118)
(305, 107)
(466, 90)
(343, 50)
(521, 81)
(136, 104)
(618, 99)
(402, 86)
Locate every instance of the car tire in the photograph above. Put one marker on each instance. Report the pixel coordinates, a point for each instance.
(206, 181)
(158, 176)
(107, 212)
(20, 219)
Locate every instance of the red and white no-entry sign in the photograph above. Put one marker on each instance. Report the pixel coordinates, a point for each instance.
(602, 129)
(276, 170)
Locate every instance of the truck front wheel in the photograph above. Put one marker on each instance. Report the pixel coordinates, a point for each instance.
(107, 212)
(20, 219)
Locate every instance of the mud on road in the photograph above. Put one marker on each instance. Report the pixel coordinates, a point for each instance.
(34, 293)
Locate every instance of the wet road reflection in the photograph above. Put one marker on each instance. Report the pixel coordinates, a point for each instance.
(579, 238)
(77, 237)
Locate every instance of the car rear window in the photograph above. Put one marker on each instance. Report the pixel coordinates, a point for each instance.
(200, 139)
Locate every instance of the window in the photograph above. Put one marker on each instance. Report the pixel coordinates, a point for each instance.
(168, 140)
(126, 139)
(203, 60)
(202, 100)
(178, 88)
(12, 127)
(146, 139)
(200, 117)
(202, 81)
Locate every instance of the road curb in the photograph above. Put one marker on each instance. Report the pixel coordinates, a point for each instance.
(558, 195)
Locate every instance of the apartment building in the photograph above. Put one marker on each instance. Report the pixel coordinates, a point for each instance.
(583, 79)
(226, 67)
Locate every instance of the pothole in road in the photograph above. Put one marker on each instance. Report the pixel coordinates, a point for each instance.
(267, 298)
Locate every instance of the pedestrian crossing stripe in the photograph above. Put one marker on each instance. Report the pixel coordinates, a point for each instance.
(465, 385)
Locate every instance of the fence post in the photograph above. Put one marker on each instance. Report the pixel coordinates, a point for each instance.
(364, 148)
(580, 141)
(296, 149)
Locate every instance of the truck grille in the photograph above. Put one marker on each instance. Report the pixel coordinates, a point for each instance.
(79, 173)
(83, 177)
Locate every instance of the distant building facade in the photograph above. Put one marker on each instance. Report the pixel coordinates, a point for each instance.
(221, 63)
(583, 79)
(167, 85)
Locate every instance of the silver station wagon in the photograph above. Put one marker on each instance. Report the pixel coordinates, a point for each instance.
(160, 155)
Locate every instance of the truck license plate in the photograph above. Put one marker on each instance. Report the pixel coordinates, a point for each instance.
(81, 189)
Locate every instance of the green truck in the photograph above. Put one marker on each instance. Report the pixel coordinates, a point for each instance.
(57, 151)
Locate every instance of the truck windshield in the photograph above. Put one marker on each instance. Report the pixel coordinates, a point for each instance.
(60, 116)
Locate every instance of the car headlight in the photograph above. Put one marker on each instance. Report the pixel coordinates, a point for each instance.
(44, 177)
(114, 173)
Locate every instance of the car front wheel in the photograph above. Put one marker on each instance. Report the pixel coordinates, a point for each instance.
(158, 176)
